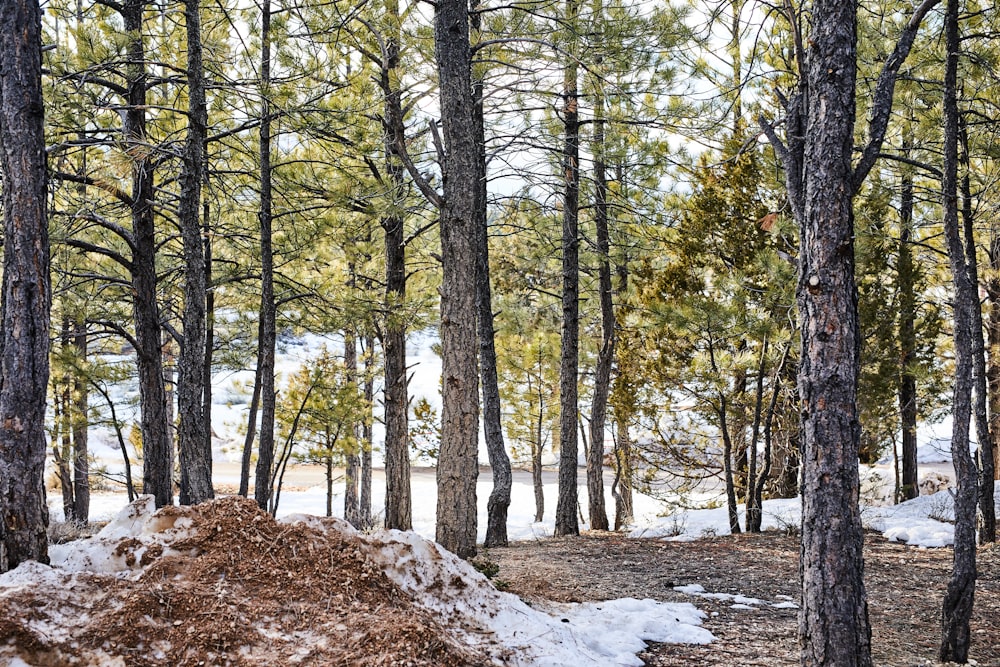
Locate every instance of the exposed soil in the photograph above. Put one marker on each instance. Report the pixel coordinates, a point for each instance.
(242, 590)
(905, 588)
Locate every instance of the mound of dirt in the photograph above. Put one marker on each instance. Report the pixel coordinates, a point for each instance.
(228, 586)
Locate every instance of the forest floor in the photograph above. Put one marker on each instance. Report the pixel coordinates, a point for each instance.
(905, 587)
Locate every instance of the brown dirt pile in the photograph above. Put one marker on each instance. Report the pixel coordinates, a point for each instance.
(244, 590)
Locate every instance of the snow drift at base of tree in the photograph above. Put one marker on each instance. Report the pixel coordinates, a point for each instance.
(225, 582)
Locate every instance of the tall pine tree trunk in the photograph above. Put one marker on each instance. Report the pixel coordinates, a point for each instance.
(499, 501)
(366, 437)
(463, 172)
(605, 356)
(566, 506)
(398, 498)
(194, 447)
(958, 601)
(905, 277)
(984, 452)
(352, 469)
(26, 297)
(266, 326)
(81, 412)
(157, 443)
(993, 358)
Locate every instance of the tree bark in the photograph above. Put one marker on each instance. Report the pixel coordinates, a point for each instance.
(957, 608)
(209, 312)
(398, 495)
(622, 487)
(352, 469)
(463, 171)
(366, 437)
(266, 326)
(993, 332)
(765, 473)
(753, 503)
(905, 276)
(566, 506)
(81, 450)
(194, 446)
(602, 377)
(157, 447)
(984, 451)
(26, 291)
(499, 501)
(821, 184)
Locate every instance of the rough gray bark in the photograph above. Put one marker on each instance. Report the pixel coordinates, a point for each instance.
(266, 326)
(366, 437)
(458, 465)
(251, 430)
(621, 489)
(598, 514)
(194, 443)
(209, 313)
(993, 333)
(26, 292)
(753, 504)
(81, 462)
(352, 469)
(157, 443)
(398, 495)
(957, 608)
(727, 464)
(905, 277)
(569, 358)
(499, 501)
(821, 184)
(984, 451)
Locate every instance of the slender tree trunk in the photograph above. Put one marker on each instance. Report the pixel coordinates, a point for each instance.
(209, 313)
(537, 483)
(352, 470)
(26, 291)
(606, 354)
(328, 462)
(727, 466)
(622, 487)
(251, 429)
(157, 447)
(398, 498)
(62, 422)
(536, 480)
(958, 601)
(267, 328)
(905, 276)
(366, 437)
(753, 520)
(461, 247)
(566, 516)
(194, 448)
(993, 331)
(984, 452)
(81, 449)
(765, 473)
(499, 501)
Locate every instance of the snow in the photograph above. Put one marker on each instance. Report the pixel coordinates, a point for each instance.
(605, 633)
(494, 623)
